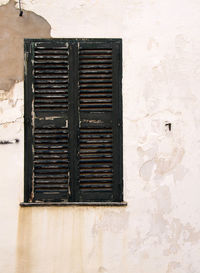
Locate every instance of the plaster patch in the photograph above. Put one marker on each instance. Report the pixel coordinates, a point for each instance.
(180, 42)
(160, 147)
(152, 43)
(163, 199)
(178, 234)
(161, 164)
(166, 164)
(180, 172)
(147, 169)
(190, 234)
(159, 223)
(136, 243)
(158, 226)
(172, 265)
(102, 269)
(13, 30)
(11, 107)
(144, 255)
(112, 221)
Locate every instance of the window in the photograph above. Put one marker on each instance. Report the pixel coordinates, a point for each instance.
(73, 120)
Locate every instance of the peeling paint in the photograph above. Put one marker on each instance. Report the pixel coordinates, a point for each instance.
(163, 149)
(92, 121)
(171, 266)
(147, 169)
(102, 270)
(13, 29)
(161, 164)
(159, 230)
(168, 163)
(179, 234)
(112, 221)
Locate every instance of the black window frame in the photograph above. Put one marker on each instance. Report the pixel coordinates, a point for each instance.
(116, 119)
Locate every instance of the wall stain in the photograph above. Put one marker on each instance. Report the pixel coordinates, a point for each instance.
(13, 30)
(161, 147)
(24, 261)
(112, 221)
(172, 265)
(147, 169)
(180, 233)
(102, 270)
(135, 244)
(167, 164)
(172, 233)
(161, 164)
(53, 239)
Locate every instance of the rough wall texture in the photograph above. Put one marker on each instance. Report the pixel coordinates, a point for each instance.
(159, 230)
(13, 30)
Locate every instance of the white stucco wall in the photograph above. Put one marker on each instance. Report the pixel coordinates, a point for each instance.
(159, 230)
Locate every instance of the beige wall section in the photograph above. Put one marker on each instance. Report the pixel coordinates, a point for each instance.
(13, 30)
(159, 230)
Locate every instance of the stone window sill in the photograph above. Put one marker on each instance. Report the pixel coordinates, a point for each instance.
(63, 204)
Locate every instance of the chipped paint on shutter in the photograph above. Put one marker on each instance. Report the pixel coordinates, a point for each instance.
(96, 159)
(73, 90)
(50, 78)
(50, 168)
(97, 99)
(95, 79)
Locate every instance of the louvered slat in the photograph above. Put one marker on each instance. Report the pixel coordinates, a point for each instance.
(50, 163)
(96, 161)
(51, 136)
(51, 79)
(98, 102)
(95, 79)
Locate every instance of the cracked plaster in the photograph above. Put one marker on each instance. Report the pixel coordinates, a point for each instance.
(159, 230)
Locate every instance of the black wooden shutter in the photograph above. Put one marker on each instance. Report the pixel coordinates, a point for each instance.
(46, 118)
(73, 120)
(100, 121)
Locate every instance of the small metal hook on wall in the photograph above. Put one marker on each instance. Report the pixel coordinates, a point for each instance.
(169, 125)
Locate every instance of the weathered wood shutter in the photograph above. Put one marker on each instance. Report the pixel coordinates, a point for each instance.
(46, 117)
(100, 123)
(73, 122)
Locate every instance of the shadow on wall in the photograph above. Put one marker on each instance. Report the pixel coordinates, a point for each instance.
(13, 30)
